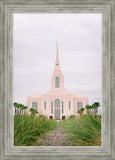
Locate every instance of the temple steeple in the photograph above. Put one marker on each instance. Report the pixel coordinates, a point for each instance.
(57, 63)
(57, 80)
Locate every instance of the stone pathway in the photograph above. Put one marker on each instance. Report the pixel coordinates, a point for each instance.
(54, 138)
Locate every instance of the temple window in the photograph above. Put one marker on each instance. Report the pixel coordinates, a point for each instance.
(45, 105)
(52, 107)
(69, 105)
(57, 109)
(62, 107)
(79, 105)
(35, 105)
(57, 82)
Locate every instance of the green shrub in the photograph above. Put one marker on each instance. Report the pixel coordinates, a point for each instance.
(27, 129)
(72, 117)
(83, 131)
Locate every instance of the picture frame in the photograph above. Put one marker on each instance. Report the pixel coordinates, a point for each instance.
(7, 149)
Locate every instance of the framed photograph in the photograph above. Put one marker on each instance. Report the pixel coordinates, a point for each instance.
(57, 79)
(74, 93)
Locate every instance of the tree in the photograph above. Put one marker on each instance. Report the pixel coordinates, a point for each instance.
(15, 105)
(18, 106)
(33, 111)
(88, 107)
(80, 111)
(24, 108)
(95, 106)
(21, 108)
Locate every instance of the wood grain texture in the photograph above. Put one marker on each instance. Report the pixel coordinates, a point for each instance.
(7, 150)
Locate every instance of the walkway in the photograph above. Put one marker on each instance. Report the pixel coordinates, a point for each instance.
(54, 138)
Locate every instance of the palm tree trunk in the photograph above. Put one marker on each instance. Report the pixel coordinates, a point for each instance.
(24, 112)
(96, 111)
(87, 111)
(15, 110)
(20, 111)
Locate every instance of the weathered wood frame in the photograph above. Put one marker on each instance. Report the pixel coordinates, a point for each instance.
(7, 9)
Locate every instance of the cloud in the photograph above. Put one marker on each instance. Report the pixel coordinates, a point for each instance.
(35, 37)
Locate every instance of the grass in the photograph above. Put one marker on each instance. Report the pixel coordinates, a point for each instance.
(28, 129)
(83, 131)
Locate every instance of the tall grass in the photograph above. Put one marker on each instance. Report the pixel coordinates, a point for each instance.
(27, 129)
(83, 131)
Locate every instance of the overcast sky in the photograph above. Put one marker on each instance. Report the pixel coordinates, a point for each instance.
(79, 42)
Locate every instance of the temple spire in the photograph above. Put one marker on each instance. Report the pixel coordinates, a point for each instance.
(57, 63)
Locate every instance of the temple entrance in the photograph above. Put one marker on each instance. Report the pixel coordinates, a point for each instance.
(63, 117)
(57, 109)
(50, 117)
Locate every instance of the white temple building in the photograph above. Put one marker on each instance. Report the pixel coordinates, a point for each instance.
(57, 103)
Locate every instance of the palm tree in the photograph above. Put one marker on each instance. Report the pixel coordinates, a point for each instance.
(33, 111)
(80, 111)
(18, 106)
(24, 108)
(95, 106)
(88, 107)
(15, 105)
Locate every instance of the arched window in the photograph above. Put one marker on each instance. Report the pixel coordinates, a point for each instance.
(57, 82)
(57, 102)
(57, 109)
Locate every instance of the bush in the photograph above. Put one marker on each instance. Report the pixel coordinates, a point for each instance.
(83, 131)
(72, 117)
(27, 129)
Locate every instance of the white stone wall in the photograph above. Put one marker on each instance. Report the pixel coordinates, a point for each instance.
(63, 98)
